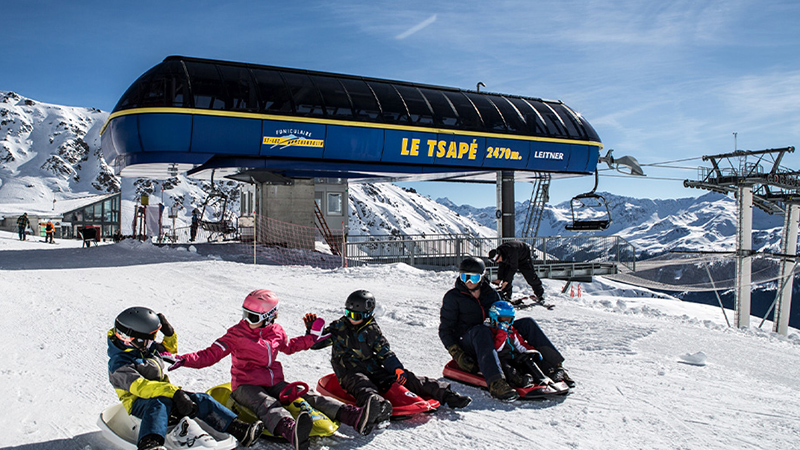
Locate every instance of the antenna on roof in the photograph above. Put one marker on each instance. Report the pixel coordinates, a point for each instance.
(478, 86)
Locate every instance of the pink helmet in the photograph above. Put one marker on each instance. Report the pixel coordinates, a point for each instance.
(259, 305)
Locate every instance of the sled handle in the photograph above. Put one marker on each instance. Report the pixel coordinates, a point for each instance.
(292, 391)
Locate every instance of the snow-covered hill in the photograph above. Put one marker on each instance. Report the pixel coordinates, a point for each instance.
(385, 208)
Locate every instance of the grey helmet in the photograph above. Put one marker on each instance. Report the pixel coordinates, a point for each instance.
(137, 325)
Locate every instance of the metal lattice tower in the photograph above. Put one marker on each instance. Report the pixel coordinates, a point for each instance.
(756, 178)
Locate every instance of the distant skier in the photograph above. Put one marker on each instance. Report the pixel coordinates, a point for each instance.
(471, 344)
(366, 366)
(49, 228)
(514, 256)
(257, 377)
(22, 225)
(136, 370)
(194, 225)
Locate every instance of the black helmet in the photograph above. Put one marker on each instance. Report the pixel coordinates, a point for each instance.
(472, 264)
(136, 325)
(360, 301)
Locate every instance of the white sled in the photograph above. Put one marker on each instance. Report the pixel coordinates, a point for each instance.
(122, 430)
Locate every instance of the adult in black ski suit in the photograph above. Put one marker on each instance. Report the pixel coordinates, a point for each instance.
(461, 328)
(513, 257)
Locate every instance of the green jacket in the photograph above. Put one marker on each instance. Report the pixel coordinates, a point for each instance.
(358, 348)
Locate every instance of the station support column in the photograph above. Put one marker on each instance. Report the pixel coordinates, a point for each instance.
(744, 247)
(786, 278)
(505, 204)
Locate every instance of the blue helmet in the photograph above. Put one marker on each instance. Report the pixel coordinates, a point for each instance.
(501, 310)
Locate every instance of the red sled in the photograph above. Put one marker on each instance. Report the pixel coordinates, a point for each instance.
(535, 392)
(404, 402)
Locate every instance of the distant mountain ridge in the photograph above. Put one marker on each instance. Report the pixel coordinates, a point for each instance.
(653, 226)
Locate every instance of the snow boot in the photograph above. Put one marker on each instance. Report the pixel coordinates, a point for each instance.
(296, 431)
(559, 374)
(151, 442)
(501, 390)
(374, 411)
(246, 434)
(519, 379)
(455, 400)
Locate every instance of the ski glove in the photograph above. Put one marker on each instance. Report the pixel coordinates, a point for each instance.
(166, 327)
(179, 361)
(464, 361)
(401, 375)
(182, 404)
(309, 319)
(316, 329)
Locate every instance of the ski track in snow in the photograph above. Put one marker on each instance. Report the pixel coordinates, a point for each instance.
(633, 391)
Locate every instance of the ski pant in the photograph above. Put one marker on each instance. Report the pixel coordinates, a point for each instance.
(526, 269)
(48, 237)
(362, 385)
(155, 412)
(479, 343)
(263, 401)
(21, 233)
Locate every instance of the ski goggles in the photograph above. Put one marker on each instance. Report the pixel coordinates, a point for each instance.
(137, 342)
(357, 315)
(505, 319)
(471, 277)
(254, 318)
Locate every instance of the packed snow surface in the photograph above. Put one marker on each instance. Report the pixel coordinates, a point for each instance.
(626, 348)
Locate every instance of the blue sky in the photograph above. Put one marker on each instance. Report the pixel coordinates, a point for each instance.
(659, 81)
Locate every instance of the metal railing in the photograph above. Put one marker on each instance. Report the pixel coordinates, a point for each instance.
(449, 250)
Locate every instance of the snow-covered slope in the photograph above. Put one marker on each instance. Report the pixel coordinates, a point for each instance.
(627, 348)
(50, 151)
(385, 208)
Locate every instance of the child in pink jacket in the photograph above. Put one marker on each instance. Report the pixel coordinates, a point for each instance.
(257, 377)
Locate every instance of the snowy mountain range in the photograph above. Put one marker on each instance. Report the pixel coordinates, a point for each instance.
(52, 152)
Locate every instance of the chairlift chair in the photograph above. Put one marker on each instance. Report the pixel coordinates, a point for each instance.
(589, 211)
(222, 227)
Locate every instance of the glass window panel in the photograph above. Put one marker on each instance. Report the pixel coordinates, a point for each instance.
(443, 112)
(417, 106)
(239, 85)
(468, 117)
(573, 129)
(275, 97)
(88, 214)
(107, 211)
(514, 120)
(163, 85)
(334, 203)
(393, 109)
(207, 88)
(365, 106)
(337, 103)
(554, 127)
(534, 120)
(492, 119)
(306, 97)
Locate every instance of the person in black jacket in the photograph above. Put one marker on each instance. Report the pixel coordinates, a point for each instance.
(364, 363)
(471, 344)
(513, 257)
